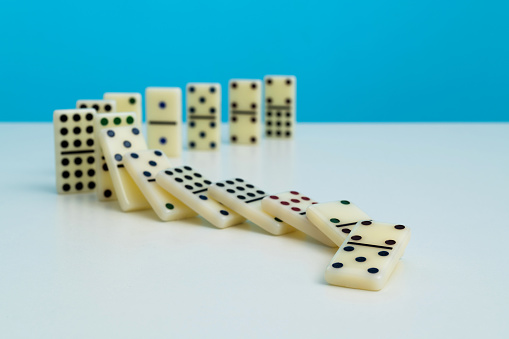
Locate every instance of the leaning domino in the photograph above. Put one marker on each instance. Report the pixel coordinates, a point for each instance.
(105, 190)
(291, 208)
(246, 200)
(191, 188)
(115, 142)
(368, 256)
(143, 166)
(336, 218)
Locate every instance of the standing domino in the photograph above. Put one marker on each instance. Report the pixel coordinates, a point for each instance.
(115, 142)
(203, 104)
(191, 188)
(164, 119)
(368, 256)
(280, 105)
(143, 167)
(291, 208)
(127, 102)
(74, 150)
(336, 219)
(105, 190)
(101, 106)
(245, 98)
(246, 200)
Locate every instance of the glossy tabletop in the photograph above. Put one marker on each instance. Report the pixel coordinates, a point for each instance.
(74, 267)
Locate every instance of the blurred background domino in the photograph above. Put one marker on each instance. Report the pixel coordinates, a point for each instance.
(100, 105)
(164, 119)
(74, 150)
(280, 105)
(244, 107)
(127, 102)
(203, 106)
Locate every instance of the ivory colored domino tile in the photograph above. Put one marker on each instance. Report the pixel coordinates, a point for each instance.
(164, 119)
(291, 208)
(105, 190)
(203, 107)
(100, 105)
(368, 256)
(190, 187)
(115, 142)
(245, 101)
(246, 200)
(127, 102)
(280, 106)
(336, 218)
(74, 150)
(143, 166)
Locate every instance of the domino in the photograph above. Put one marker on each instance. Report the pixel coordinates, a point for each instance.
(115, 142)
(127, 102)
(336, 219)
(203, 106)
(164, 119)
(246, 200)
(105, 190)
(368, 256)
(74, 150)
(101, 106)
(191, 188)
(280, 105)
(245, 98)
(291, 208)
(143, 166)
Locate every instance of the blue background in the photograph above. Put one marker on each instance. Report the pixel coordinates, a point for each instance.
(354, 60)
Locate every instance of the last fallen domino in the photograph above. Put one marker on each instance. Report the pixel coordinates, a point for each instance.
(368, 256)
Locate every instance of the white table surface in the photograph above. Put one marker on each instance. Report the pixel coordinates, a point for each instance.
(73, 267)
